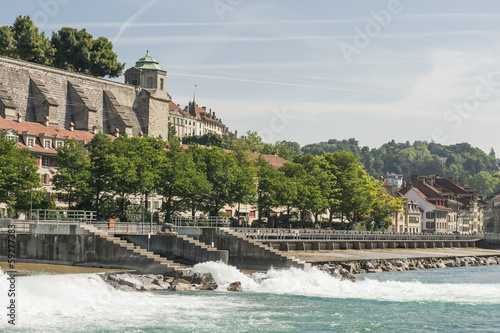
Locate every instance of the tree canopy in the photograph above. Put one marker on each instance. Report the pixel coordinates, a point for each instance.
(68, 49)
(462, 161)
(19, 179)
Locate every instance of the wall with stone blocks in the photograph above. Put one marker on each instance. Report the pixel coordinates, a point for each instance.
(17, 78)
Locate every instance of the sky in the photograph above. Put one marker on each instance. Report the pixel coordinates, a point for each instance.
(310, 71)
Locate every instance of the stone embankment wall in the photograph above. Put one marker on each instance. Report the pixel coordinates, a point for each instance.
(178, 246)
(305, 245)
(37, 91)
(348, 269)
(244, 253)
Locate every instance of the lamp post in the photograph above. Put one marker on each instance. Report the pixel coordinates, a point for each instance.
(151, 225)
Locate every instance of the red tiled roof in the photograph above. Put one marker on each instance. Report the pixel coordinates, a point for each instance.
(38, 131)
(451, 186)
(201, 114)
(430, 191)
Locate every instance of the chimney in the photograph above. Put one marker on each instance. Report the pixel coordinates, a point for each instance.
(117, 132)
(47, 121)
(94, 129)
(71, 126)
(204, 108)
(236, 134)
(19, 118)
(431, 181)
(414, 180)
(273, 153)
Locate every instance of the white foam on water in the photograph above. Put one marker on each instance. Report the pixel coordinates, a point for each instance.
(320, 284)
(80, 302)
(84, 302)
(224, 274)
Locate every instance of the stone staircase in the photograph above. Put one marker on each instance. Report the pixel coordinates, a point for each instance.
(201, 250)
(268, 251)
(133, 256)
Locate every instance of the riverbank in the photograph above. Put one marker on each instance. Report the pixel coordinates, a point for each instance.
(349, 270)
(331, 256)
(30, 268)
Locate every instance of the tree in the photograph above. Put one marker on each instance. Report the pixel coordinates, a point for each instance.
(30, 45)
(182, 184)
(73, 173)
(79, 51)
(18, 172)
(227, 178)
(7, 48)
(102, 173)
(267, 178)
(172, 132)
(103, 61)
(73, 49)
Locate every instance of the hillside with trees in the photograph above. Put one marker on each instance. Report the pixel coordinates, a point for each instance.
(469, 164)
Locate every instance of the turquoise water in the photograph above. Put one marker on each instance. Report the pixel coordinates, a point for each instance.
(439, 300)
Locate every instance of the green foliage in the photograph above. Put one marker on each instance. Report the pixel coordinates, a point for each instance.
(204, 140)
(80, 52)
(69, 48)
(73, 174)
(18, 174)
(231, 182)
(28, 44)
(182, 183)
(463, 161)
(172, 132)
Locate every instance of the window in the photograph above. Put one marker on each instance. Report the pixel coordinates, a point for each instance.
(12, 137)
(59, 144)
(161, 84)
(47, 144)
(156, 204)
(149, 82)
(46, 162)
(31, 142)
(45, 179)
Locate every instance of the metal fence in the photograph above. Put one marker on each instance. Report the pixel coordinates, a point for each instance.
(62, 215)
(126, 227)
(201, 221)
(314, 234)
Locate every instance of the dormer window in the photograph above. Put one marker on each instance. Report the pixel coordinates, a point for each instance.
(47, 144)
(30, 142)
(59, 144)
(12, 137)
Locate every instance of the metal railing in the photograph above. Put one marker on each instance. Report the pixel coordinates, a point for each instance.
(62, 215)
(347, 235)
(126, 227)
(201, 221)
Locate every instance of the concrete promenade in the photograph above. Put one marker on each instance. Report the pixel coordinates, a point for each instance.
(324, 256)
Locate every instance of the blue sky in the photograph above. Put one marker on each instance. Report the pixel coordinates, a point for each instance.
(309, 71)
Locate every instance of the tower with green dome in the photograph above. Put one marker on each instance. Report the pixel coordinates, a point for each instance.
(151, 104)
(146, 74)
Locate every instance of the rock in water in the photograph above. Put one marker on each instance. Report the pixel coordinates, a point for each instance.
(235, 286)
(209, 286)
